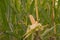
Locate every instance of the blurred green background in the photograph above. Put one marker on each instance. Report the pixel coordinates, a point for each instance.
(14, 18)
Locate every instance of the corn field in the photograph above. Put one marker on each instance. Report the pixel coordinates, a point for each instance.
(29, 19)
